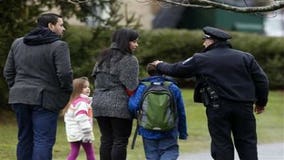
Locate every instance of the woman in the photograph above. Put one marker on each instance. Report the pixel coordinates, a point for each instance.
(116, 78)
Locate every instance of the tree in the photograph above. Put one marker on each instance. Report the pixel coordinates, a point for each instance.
(250, 6)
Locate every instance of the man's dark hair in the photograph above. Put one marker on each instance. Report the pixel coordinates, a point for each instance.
(152, 71)
(46, 18)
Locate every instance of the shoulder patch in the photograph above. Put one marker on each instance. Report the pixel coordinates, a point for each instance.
(187, 60)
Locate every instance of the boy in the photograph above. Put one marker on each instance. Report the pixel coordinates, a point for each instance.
(160, 145)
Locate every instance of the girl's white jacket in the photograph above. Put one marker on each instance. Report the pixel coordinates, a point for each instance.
(79, 119)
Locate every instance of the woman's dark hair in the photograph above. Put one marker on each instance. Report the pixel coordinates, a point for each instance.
(122, 37)
(46, 18)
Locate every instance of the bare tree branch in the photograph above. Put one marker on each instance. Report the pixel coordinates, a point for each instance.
(278, 4)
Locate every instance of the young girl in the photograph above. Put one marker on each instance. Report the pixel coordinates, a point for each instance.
(78, 120)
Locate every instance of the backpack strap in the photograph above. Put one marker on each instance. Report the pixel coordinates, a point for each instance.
(167, 83)
(146, 83)
(135, 135)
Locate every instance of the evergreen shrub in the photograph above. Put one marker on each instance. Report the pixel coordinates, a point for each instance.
(170, 45)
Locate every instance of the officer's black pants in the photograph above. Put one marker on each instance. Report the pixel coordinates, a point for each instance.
(235, 119)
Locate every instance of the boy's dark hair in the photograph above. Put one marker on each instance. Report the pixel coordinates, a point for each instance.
(46, 18)
(151, 69)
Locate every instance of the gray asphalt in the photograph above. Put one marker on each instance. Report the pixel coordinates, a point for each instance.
(274, 151)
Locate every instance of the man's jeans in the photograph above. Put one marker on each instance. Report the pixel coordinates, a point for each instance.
(37, 132)
(163, 149)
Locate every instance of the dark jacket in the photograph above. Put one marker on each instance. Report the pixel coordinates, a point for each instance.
(235, 74)
(112, 79)
(38, 71)
(181, 128)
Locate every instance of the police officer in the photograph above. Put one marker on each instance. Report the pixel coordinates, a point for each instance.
(233, 82)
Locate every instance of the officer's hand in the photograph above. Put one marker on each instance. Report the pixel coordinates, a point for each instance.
(156, 62)
(259, 109)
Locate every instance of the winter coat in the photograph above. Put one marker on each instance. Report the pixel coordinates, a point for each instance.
(112, 79)
(79, 119)
(235, 75)
(38, 70)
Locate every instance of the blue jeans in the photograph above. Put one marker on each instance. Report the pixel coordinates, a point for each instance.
(161, 149)
(36, 132)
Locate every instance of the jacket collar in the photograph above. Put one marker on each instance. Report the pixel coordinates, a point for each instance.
(218, 44)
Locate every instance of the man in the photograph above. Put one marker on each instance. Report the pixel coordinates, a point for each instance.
(39, 76)
(229, 82)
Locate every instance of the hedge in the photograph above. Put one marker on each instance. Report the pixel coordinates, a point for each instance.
(176, 45)
(170, 45)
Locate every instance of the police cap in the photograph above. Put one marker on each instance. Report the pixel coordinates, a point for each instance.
(215, 33)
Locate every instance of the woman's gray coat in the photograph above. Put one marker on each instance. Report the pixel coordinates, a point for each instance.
(111, 81)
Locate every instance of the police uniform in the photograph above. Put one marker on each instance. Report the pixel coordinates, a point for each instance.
(236, 82)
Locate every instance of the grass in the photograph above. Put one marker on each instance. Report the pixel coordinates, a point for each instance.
(270, 129)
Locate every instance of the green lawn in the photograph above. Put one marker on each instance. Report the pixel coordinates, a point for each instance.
(270, 128)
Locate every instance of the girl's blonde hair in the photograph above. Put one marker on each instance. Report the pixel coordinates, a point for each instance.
(78, 85)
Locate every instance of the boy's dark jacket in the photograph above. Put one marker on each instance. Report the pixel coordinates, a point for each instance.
(180, 130)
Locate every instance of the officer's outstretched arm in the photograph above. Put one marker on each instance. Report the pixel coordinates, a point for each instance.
(178, 69)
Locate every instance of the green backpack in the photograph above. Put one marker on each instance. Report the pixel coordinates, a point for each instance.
(157, 109)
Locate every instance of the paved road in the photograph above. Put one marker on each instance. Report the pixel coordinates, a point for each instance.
(273, 151)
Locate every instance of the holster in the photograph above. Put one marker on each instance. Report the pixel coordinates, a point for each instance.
(205, 93)
(197, 96)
